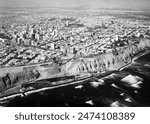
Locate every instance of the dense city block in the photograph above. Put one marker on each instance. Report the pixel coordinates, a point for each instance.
(45, 47)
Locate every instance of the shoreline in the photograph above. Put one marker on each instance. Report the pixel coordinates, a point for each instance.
(81, 79)
(22, 94)
(134, 58)
(44, 89)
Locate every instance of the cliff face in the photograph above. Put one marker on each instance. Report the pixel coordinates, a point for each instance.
(28, 74)
(13, 79)
(109, 61)
(101, 63)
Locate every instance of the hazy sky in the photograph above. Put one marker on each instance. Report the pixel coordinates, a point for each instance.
(130, 4)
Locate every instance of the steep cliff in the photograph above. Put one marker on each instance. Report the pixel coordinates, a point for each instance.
(82, 66)
(108, 61)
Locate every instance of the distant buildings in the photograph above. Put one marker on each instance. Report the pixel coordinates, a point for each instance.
(66, 36)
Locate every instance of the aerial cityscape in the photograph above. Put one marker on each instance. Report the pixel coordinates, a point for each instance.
(77, 56)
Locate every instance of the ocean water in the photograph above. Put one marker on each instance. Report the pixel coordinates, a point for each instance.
(109, 91)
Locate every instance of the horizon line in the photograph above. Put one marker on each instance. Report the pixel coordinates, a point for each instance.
(81, 7)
